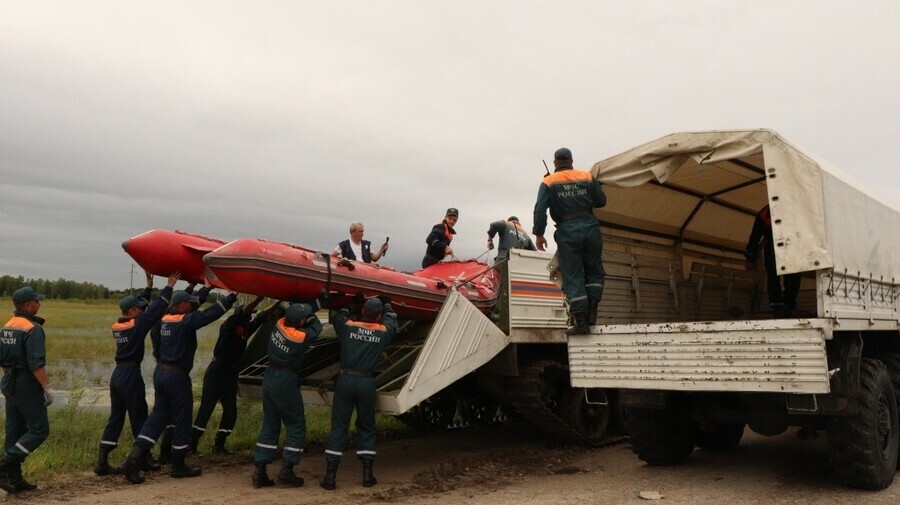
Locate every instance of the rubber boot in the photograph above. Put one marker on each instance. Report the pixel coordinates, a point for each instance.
(6, 468)
(592, 311)
(195, 441)
(180, 470)
(165, 447)
(328, 480)
(369, 479)
(219, 447)
(287, 476)
(581, 325)
(131, 468)
(18, 481)
(149, 464)
(101, 467)
(260, 477)
(777, 310)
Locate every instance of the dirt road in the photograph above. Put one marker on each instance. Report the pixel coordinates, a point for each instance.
(504, 464)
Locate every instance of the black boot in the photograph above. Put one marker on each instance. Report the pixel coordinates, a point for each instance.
(260, 477)
(592, 311)
(369, 480)
(165, 447)
(6, 464)
(328, 480)
(219, 447)
(180, 470)
(102, 466)
(287, 476)
(131, 468)
(17, 480)
(581, 325)
(195, 441)
(149, 463)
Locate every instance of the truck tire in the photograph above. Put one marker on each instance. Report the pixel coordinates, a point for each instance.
(720, 437)
(864, 446)
(660, 437)
(892, 362)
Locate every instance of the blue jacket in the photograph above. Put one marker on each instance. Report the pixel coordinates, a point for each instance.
(178, 333)
(569, 194)
(130, 333)
(362, 341)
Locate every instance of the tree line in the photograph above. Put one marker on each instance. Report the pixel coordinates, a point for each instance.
(62, 289)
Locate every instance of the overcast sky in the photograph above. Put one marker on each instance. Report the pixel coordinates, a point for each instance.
(289, 120)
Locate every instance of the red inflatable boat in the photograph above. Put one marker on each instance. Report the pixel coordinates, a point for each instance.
(162, 252)
(289, 272)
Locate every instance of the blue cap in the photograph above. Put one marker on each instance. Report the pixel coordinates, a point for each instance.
(131, 301)
(26, 294)
(372, 307)
(563, 153)
(184, 296)
(297, 312)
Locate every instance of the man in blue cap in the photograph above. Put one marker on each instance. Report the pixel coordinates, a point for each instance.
(173, 396)
(25, 385)
(361, 340)
(282, 402)
(127, 392)
(572, 195)
(512, 236)
(220, 382)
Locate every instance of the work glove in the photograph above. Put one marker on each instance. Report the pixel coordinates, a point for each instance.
(48, 396)
(359, 299)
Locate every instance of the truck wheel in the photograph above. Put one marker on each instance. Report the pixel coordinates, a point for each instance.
(660, 437)
(892, 362)
(720, 437)
(590, 421)
(477, 410)
(864, 446)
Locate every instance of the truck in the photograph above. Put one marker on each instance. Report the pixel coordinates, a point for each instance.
(701, 356)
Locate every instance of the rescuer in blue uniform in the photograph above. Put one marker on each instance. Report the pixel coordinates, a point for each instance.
(25, 385)
(361, 341)
(220, 382)
(439, 239)
(127, 392)
(572, 195)
(282, 402)
(173, 398)
(165, 441)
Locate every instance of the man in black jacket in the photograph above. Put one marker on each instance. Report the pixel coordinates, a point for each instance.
(439, 239)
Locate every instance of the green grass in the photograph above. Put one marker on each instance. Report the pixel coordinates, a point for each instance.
(79, 336)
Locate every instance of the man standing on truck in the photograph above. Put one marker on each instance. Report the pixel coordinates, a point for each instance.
(783, 302)
(282, 402)
(439, 239)
(572, 195)
(23, 356)
(127, 391)
(512, 236)
(362, 339)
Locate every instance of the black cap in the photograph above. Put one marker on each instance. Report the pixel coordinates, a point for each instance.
(372, 307)
(131, 301)
(184, 296)
(563, 153)
(452, 212)
(512, 218)
(297, 312)
(26, 294)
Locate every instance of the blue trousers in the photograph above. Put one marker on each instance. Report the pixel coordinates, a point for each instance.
(580, 248)
(127, 395)
(219, 386)
(27, 425)
(173, 402)
(351, 392)
(282, 403)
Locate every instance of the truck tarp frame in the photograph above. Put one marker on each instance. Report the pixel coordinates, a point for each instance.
(706, 188)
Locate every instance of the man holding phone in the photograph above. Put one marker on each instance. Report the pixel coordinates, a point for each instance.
(355, 248)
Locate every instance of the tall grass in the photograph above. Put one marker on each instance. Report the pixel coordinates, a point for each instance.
(79, 342)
